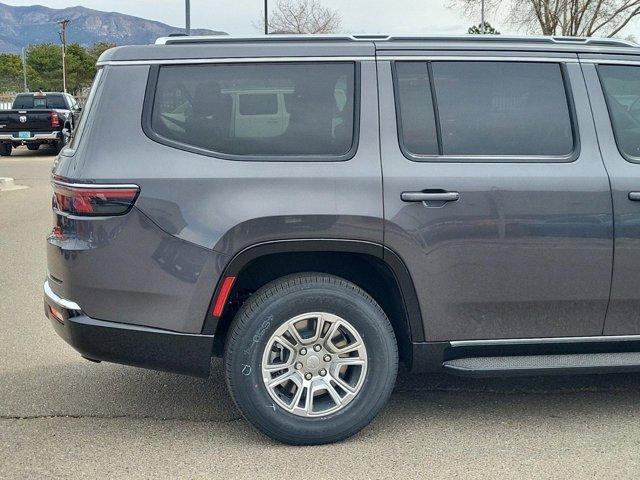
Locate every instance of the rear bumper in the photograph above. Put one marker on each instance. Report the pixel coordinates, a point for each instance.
(145, 347)
(34, 138)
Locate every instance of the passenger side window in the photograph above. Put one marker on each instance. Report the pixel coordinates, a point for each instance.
(621, 86)
(501, 109)
(258, 110)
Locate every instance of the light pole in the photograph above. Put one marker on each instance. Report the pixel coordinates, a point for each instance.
(24, 70)
(187, 8)
(482, 17)
(63, 37)
(266, 17)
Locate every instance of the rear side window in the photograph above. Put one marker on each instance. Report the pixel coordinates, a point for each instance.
(621, 85)
(256, 110)
(501, 109)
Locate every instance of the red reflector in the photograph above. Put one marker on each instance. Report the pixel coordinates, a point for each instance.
(223, 296)
(93, 201)
(57, 314)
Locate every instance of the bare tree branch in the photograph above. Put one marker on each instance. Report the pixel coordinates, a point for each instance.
(302, 16)
(561, 17)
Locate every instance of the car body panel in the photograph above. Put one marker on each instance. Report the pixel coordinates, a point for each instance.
(525, 252)
(126, 269)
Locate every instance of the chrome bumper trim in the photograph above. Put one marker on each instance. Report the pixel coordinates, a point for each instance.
(68, 304)
(36, 136)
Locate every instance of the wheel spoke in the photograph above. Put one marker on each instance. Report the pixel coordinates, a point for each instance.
(342, 383)
(318, 332)
(286, 343)
(274, 367)
(308, 403)
(349, 348)
(328, 343)
(293, 331)
(296, 398)
(341, 362)
(334, 394)
(280, 379)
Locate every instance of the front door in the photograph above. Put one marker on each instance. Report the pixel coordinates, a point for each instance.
(495, 194)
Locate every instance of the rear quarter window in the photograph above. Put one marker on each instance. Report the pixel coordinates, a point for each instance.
(621, 87)
(260, 111)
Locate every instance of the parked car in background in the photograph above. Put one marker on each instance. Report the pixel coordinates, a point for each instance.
(39, 118)
(317, 209)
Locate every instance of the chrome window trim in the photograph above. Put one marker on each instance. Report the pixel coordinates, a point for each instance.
(606, 61)
(64, 303)
(544, 340)
(567, 158)
(196, 61)
(485, 58)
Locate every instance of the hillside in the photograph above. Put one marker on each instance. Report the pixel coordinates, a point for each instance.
(21, 26)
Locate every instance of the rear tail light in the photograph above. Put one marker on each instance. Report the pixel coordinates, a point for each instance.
(93, 200)
(54, 119)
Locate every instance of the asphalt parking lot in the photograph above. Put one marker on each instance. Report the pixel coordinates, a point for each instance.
(64, 417)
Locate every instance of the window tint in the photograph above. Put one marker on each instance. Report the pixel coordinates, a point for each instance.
(258, 109)
(417, 120)
(486, 108)
(502, 108)
(621, 85)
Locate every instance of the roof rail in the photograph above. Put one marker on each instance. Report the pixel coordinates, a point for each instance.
(594, 41)
(275, 37)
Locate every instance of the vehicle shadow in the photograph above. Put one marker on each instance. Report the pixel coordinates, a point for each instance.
(25, 152)
(82, 389)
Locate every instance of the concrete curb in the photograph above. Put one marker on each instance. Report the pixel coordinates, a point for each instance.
(7, 184)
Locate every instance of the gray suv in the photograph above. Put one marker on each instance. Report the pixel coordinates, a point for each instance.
(318, 209)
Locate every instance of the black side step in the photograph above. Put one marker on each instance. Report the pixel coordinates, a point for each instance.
(522, 365)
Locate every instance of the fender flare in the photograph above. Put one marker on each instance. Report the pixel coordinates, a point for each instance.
(388, 257)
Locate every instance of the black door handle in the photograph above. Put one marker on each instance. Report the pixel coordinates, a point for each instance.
(634, 196)
(430, 197)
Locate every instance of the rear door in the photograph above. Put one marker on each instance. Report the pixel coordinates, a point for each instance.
(614, 90)
(495, 194)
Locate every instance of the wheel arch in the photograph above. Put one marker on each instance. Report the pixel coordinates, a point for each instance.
(374, 268)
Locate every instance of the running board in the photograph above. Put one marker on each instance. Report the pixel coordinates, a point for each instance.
(523, 365)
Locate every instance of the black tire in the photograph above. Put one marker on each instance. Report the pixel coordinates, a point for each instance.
(58, 146)
(5, 149)
(265, 312)
(32, 146)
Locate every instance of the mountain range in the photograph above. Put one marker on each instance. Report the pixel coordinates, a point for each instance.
(21, 26)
